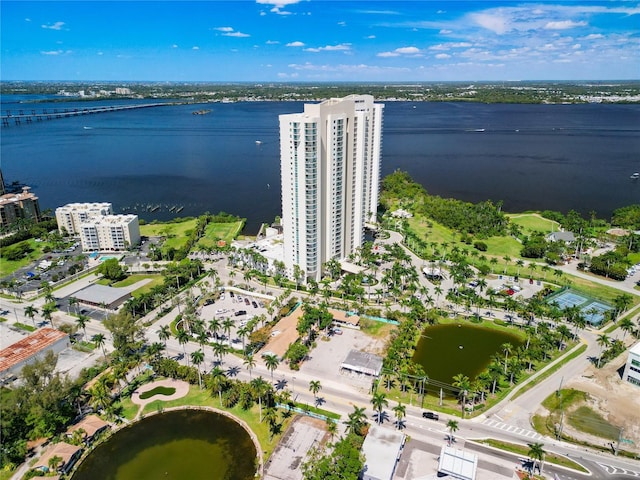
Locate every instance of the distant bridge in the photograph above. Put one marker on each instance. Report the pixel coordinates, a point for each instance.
(29, 115)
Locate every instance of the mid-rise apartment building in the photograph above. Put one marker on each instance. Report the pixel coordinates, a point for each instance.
(632, 368)
(72, 215)
(16, 206)
(330, 173)
(110, 233)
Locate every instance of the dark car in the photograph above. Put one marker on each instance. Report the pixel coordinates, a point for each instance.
(240, 312)
(231, 294)
(255, 305)
(430, 416)
(246, 301)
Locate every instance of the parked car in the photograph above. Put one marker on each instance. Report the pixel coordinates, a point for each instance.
(431, 416)
(246, 301)
(240, 312)
(254, 304)
(337, 331)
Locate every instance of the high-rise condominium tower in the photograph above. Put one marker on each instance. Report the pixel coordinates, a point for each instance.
(330, 173)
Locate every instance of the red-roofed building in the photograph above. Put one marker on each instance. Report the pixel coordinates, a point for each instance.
(16, 356)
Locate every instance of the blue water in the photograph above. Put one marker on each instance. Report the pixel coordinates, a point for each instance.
(557, 157)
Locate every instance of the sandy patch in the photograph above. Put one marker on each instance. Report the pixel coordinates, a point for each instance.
(182, 388)
(617, 401)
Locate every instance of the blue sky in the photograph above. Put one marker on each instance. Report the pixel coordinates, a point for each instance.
(319, 41)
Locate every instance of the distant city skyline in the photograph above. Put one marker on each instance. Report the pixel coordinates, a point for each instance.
(320, 41)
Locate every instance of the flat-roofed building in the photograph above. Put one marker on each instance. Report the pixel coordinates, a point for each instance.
(362, 362)
(102, 296)
(457, 463)
(632, 368)
(14, 357)
(16, 206)
(382, 449)
(110, 233)
(72, 215)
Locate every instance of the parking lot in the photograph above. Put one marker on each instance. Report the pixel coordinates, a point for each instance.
(240, 307)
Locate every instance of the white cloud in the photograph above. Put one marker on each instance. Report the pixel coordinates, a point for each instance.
(295, 44)
(224, 29)
(272, 42)
(236, 34)
(27, 19)
(564, 24)
(342, 24)
(577, 46)
(195, 47)
(52, 52)
(594, 36)
(174, 46)
(496, 23)
(100, 54)
(445, 31)
(449, 46)
(442, 56)
(370, 37)
(55, 26)
(330, 48)
(408, 51)
(278, 5)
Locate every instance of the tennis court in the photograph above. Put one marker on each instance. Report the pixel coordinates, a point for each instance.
(592, 310)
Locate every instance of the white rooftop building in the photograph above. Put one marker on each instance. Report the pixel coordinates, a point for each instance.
(72, 215)
(382, 449)
(458, 463)
(330, 173)
(632, 368)
(110, 233)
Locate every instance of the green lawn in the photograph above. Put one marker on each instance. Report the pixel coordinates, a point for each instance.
(523, 450)
(168, 229)
(7, 267)
(220, 231)
(587, 420)
(533, 222)
(131, 279)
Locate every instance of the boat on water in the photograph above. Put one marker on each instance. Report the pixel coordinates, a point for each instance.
(201, 112)
(258, 142)
(635, 176)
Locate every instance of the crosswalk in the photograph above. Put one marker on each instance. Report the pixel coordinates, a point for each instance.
(610, 469)
(512, 429)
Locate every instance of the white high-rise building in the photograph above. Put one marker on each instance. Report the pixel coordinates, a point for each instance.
(330, 172)
(110, 233)
(72, 215)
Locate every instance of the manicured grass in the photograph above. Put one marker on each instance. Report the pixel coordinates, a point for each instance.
(376, 329)
(319, 411)
(523, 450)
(199, 397)
(220, 231)
(534, 222)
(22, 326)
(7, 267)
(167, 229)
(589, 421)
(147, 287)
(167, 391)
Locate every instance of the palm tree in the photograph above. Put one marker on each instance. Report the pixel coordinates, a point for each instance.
(218, 380)
(47, 312)
(452, 425)
(30, 311)
(536, 452)
(259, 387)
(356, 421)
(462, 383)
(197, 358)
(99, 339)
(603, 340)
(506, 348)
(625, 324)
(332, 428)
(183, 339)
(249, 362)
(219, 350)
(379, 401)
(400, 412)
(82, 321)
(73, 302)
(164, 333)
(271, 361)
(315, 387)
